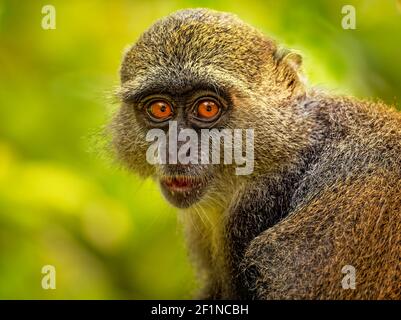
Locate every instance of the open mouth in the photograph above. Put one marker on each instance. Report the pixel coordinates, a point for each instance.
(183, 190)
(181, 183)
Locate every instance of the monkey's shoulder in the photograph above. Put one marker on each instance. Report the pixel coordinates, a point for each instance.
(355, 221)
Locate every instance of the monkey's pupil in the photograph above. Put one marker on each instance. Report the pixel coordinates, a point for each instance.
(163, 108)
(209, 108)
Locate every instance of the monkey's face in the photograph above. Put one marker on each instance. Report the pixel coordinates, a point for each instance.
(184, 167)
(193, 71)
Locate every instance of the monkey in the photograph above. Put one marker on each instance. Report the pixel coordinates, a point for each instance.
(325, 190)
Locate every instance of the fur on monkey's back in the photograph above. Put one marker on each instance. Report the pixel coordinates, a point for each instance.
(345, 210)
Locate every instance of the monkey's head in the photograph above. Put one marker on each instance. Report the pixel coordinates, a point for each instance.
(203, 70)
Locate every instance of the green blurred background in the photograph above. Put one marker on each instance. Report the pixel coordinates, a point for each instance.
(62, 203)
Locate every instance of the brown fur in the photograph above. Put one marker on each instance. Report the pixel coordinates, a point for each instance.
(325, 191)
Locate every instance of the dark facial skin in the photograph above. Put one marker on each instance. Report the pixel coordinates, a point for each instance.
(197, 108)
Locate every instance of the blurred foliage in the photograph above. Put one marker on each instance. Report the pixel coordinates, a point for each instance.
(108, 234)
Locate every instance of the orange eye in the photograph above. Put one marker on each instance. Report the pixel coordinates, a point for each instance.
(207, 109)
(160, 110)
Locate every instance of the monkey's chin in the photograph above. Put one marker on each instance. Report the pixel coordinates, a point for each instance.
(182, 191)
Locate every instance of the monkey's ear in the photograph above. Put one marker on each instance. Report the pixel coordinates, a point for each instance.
(289, 64)
(293, 59)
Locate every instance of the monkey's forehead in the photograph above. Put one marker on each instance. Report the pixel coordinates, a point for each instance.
(199, 38)
(181, 82)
